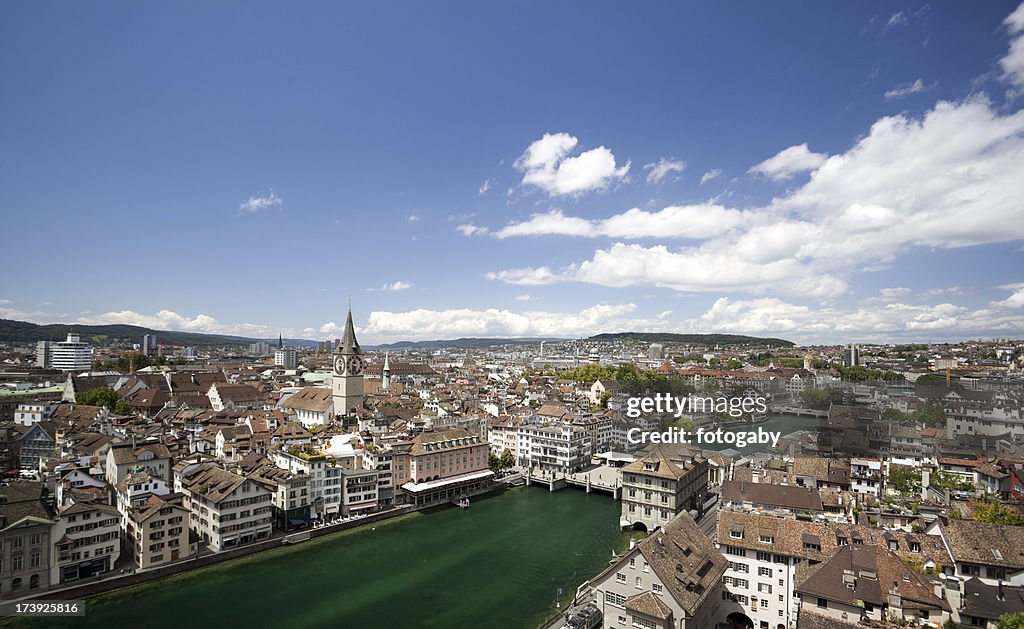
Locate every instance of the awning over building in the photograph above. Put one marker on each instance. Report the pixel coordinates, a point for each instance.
(441, 483)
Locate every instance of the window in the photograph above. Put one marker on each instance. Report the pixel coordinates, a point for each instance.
(766, 588)
(656, 588)
(765, 539)
(34, 559)
(735, 551)
(615, 599)
(632, 562)
(736, 534)
(822, 603)
(639, 583)
(763, 556)
(620, 577)
(764, 572)
(17, 562)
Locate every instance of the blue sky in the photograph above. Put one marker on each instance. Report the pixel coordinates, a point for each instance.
(821, 171)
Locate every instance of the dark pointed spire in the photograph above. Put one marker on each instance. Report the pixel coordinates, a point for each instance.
(280, 341)
(349, 344)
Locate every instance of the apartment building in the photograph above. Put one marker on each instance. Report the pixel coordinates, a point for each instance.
(324, 475)
(158, 532)
(227, 510)
(87, 542)
(555, 447)
(358, 492)
(672, 579)
(655, 489)
(25, 539)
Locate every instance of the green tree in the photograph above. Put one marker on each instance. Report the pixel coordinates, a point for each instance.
(506, 461)
(1011, 621)
(732, 364)
(931, 414)
(904, 479)
(103, 396)
(493, 462)
(986, 510)
(894, 415)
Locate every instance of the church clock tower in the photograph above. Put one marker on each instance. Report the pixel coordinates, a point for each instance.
(348, 371)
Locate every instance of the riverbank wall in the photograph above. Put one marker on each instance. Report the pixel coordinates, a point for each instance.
(111, 582)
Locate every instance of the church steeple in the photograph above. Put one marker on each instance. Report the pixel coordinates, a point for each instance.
(349, 344)
(385, 373)
(280, 341)
(348, 371)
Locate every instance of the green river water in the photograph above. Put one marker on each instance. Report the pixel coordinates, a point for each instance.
(499, 563)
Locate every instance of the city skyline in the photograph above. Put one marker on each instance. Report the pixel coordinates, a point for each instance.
(817, 173)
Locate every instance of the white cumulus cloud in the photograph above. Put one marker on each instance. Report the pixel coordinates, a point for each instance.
(546, 164)
(788, 162)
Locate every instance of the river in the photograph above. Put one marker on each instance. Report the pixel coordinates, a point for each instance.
(499, 563)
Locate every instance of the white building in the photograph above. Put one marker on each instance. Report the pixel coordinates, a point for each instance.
(324, 478)
(866, 476)
(69, 355)
(87, 542)
(286, 357)
(554, 446)
(227, 510)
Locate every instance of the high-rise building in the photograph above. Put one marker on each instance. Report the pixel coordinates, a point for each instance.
(70, 355)
(149, 344)
(260, 348)
(286, 357)
(43, 359)
(656, 352)
(851, 356)
(348, 371)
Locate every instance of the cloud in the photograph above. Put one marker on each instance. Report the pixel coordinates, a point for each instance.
(871, 323)
(709, 175)
(900, 91)
(255, 204)
(446, 324)
(485, 186)
(896, 19)
(523, 297)
(546, 165)
(788, 162)
(412, 218)
(949, 178)
(663, 168)
(392, 286)
(762, 316)
(1013, 63)
(678, 221)
(170, 320)
(469, 229)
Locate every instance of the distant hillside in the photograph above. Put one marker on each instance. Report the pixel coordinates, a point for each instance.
(24, 332)
(692, 339)
(464, 343)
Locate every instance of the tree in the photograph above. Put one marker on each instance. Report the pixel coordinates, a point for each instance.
(493, 462)
(904, 479)
(931, 414)
(732, 364)
(995, 513)
(1011, 621)
(506, 461)
(894, 415)
(103, 396)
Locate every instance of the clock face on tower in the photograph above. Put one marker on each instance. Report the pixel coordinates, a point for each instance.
(355, 366)
(339, 365)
